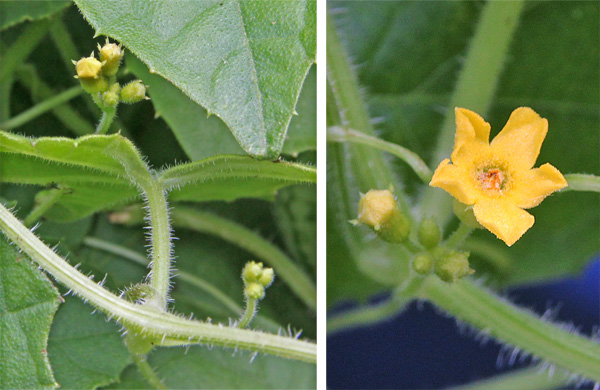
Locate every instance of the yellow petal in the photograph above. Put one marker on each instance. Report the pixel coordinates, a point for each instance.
(503, 218)
(521, 138)
(469, 127)
(532, 186)
(455, 181)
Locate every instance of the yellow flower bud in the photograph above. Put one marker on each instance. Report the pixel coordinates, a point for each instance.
(88, 68)
(378, 210)
(111, 55)
(255, 291)
(252, 272)
(267, 277)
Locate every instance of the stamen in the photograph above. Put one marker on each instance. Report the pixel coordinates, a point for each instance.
(492, 179)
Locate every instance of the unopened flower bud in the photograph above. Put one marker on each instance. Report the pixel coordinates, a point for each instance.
(255, 291)
(267, 277)
(453, 266)
(89, 73)
(133, 92)
(252, 272)
(429, 232)
(378, 210)
(111, 55)
(422, 263)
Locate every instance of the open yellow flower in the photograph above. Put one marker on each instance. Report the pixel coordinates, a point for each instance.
(498, 178)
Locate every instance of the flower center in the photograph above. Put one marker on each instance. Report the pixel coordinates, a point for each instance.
(494, 180)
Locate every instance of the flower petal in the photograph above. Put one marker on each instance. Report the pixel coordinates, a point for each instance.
(469, 127)
(532, 186)
(455, 181)
(521, 138)
(503, 218)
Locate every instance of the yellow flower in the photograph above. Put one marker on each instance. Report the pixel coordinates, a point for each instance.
(498, 178)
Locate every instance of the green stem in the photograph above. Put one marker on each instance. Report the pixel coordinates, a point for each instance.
(294, 276)
(523, 379)
(40, 209)
(161, 240)
(41, 108)
(339, 134)
(22, 47)
(137, 258)
(249, 313)
(475, 87)
(582, 182)
(106, 121)
(147, 371)
(148, 321)
(39, 90)
(372, 314)
(459, 235)
(497, 257)
(370, 169)
(480, 308)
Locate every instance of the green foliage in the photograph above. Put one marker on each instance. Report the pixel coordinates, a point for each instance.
(244, 61)
(27, 304)
(86, 351)
(13, 12)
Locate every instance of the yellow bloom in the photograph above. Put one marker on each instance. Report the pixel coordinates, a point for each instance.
(498, 178)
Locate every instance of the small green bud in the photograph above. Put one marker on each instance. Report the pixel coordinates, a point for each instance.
(422, 263)
(429, 232)
(255, 291)
(465, 214)
(267, 277)
(110, 56)
(453, 266)
(252, 272)
(133, 92)
(378, 210)
(138, 344)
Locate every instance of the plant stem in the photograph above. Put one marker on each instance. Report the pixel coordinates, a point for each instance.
(40, 209)
(147, 371)
(22, 47)
(144, 320)
(41, 108)
(475, 87)
(522, 379)
(459, 235)
(137, 258)
(499, 258)
(582, 182)
(339, 134)
(161, 240)
(483, 310)
(249, 312)
(295, 277)
(369, 167)
(367, 315)
(105, 121)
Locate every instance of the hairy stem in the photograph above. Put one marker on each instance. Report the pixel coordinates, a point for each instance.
(582, 182)
(148, 321)
(40, 209)
(459, 235)
(42, 108)
(147, 371)
(475, 87)
(105, 121)
(284, 267)
(524, 379)
(249, 313)
(482, 309)
(338, 134)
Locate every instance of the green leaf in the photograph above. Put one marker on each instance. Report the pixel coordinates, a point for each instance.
(85, 350)
(233, 177)
(199, 135)
(201, 368)
(244, 61)
(410, 81)
(302, 133)
(13, 12)
(27, 304)
(95, 180)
